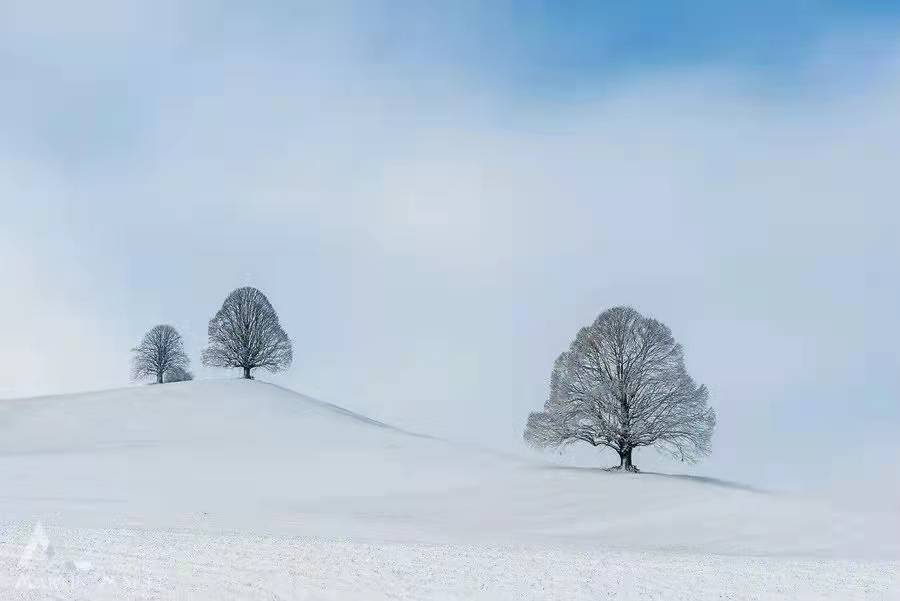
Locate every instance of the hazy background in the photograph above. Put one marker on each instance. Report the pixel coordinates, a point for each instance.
(435, 200)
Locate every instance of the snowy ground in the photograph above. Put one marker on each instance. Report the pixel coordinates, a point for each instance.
(242, 490)
(166, 565)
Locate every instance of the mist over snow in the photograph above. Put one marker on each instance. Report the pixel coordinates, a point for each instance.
(433, 228)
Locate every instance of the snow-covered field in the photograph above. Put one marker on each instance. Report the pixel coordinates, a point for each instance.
(244, 490)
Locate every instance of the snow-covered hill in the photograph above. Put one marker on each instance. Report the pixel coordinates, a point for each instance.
(232, 465)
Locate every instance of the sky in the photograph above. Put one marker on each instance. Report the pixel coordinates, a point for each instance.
(435, 199)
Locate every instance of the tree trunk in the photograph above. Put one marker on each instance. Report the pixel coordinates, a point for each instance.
(159, 377)
(625, 460)
(247, 375)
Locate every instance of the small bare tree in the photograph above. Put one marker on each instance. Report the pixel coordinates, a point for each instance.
(178, 374)
(160, 352)
(245, 333)
(622, 384)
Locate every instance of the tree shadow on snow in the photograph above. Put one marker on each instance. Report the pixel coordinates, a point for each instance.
(712, 481)
(699, 479)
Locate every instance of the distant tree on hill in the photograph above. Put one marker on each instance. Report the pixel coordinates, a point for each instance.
(161, 351)
(622, 384)
(178, 374)
(245, 333)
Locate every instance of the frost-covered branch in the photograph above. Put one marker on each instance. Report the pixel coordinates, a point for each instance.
(622, 384)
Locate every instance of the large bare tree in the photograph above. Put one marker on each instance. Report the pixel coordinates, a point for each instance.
(160, 352)
(622, 384)
(245, 333)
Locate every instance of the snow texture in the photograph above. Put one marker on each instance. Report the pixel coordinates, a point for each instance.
(214, 490)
